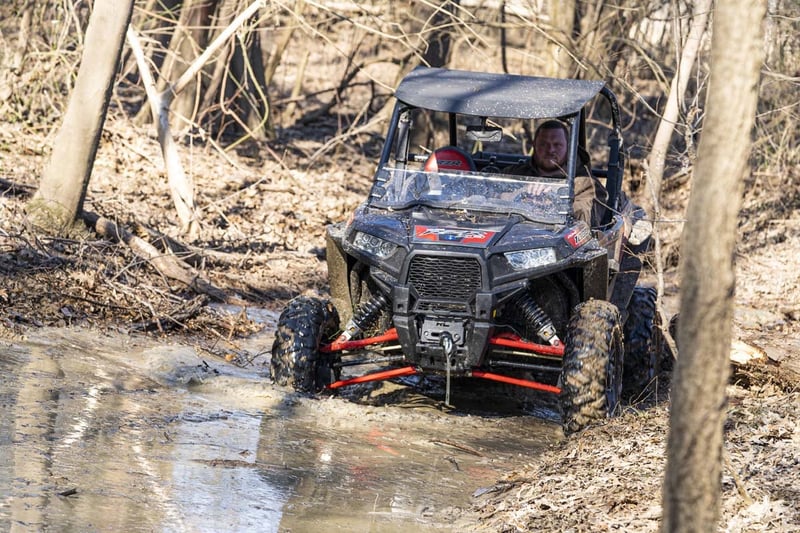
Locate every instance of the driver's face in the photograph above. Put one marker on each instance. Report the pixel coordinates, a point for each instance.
(550, 151)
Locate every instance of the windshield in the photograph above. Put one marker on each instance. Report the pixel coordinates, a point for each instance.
(543, 200)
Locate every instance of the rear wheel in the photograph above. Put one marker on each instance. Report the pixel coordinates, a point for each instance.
(591, 377)
(642, 342)
(296, 359)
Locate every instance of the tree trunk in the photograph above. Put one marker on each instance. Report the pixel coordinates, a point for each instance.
(692, 485)
(246, 89)
(59, 200)
(669, 118)
(562, 21)
(280, 47)
(189, 40)
(440, 40)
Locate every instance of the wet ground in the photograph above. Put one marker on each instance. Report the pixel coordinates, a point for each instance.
(113, 433)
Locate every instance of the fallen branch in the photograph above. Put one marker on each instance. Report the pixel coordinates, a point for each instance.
(166, 264)
(174, 319)
(9, 188)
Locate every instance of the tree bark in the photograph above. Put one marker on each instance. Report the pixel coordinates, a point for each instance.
(692, 485)
(59, 200)
(189, 39)
(669, 118)
(562, 21)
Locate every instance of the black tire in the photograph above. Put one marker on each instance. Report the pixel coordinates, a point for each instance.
(642, 342)
(296, 359)
(591, 376)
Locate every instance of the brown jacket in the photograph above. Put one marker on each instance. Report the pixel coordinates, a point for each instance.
(590, 195)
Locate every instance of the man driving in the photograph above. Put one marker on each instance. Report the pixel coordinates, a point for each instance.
(550, 144)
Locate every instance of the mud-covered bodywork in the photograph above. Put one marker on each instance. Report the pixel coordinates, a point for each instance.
(448, 260)
(459, 264)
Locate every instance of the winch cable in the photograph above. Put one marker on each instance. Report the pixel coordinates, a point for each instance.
(446, 341)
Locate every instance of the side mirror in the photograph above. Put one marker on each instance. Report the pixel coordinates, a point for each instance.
(486, 134)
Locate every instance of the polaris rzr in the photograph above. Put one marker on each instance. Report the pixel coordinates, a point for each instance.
(452, 267)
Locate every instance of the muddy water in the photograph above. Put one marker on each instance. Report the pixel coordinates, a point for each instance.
(110, 433)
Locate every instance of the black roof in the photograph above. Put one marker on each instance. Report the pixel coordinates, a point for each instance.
(495, 95)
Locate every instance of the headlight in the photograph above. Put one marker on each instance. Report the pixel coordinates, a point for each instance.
(527, 259)
(373, 245)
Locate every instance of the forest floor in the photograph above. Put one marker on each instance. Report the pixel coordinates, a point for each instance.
(264, 212)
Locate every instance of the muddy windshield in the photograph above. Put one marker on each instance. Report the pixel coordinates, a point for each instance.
(543, 200)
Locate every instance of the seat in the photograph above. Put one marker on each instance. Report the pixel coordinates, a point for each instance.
(449, 158)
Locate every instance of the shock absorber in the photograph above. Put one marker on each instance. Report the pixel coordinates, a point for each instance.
(533, 315)
(364, 316)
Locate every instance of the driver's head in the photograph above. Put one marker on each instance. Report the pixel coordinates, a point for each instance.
(550, 148)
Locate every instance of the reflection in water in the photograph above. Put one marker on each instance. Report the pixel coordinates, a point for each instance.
(141, 449)
(35, 402)
(361, 468)
(84, 424)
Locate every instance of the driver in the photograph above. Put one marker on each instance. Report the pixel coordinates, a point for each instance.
(550, 142)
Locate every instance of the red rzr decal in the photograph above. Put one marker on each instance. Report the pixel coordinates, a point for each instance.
(578, 236)
(464, 236)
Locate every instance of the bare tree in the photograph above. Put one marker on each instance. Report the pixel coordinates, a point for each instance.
(693, 476)
(672, 110)
(230, 95)
(562, 21)
(181, 185)
(59, 201)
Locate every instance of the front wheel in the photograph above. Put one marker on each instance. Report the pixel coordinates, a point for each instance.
(296, 359)
(591, 375)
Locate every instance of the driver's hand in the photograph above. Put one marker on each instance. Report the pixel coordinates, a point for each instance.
(531, 190)
(535, 189)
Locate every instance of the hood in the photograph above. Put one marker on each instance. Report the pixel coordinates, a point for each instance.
(429, 226)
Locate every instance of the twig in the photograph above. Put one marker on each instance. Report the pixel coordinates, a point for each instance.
(664, 322)
(175, 319)
(166, 264)
(463, 448)
(736, 479)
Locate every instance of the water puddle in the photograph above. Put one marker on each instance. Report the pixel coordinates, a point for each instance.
(113, 433)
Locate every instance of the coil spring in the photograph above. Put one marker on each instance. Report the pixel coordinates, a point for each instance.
(367, 313)
(533, 316)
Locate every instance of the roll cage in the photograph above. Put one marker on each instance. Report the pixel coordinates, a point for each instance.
(484, 98)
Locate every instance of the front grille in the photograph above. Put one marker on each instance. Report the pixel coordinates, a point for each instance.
(450, 278)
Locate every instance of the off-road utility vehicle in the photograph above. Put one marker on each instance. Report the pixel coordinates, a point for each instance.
(455, 268)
